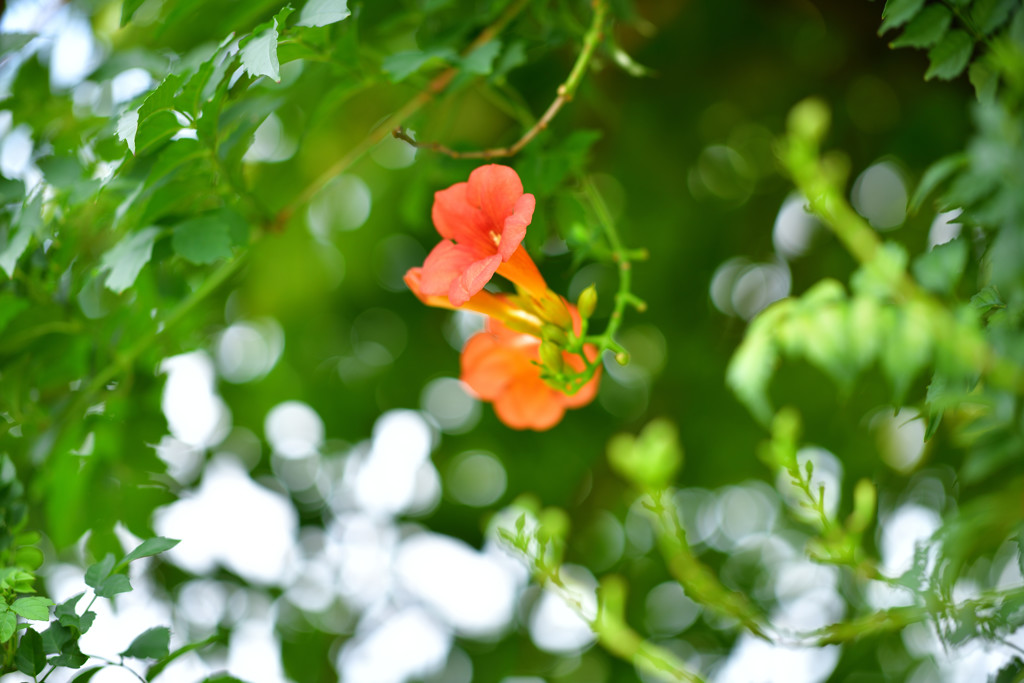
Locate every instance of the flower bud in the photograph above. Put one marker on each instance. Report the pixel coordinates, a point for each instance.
(551, 356)
(622, 358)
(587, 302)
(554, 334)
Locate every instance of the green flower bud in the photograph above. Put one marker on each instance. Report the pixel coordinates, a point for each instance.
(554, 334)
(551, 356)
(587, 302)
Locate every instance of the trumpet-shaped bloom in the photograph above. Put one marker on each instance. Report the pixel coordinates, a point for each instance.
(498, 365)
(483, 222)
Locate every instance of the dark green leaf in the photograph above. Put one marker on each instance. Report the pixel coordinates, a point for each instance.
(8, 624)
(151, 644)
(988, 15)
(35, 608)
(66, 610)
(95, 574)
(10, 42)
(55, 637)
(86, 674)
(259, 56)
(481, 60)
(401, 65)
(70, 656)
(30, 657)
(926, 29)
(112, 585)
(62, 172)
(323, 12)
(934, 176)
(85, 621)
(128, 9)
(11, 190)
(148, 548)
(175, 155)
(950, 56)
(203, 240)
(222, 678)
(941, 268)
(899, 12)
(124, 261)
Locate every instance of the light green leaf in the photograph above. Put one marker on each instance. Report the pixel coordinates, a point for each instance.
(8, 624)
(156, 130)
(55, 637)
(259, 56)
(950, 56)
(125, 260)
(401, 65)
(151, 644)
(323, 12)
(127, 127)
(987, 299)
(481, 60)
(162, 98)
(112, 585)
(203, 240)
(985, 80)
(36, 608)
(86, 674)
(30, 657)
(25, 226)
(899, 12)
(926, 29)
(148, 548)
(934, 176)
(10, 306)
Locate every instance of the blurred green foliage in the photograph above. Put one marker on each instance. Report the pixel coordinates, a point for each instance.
(222, 192)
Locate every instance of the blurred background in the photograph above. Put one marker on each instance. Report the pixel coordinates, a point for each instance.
(335, 487)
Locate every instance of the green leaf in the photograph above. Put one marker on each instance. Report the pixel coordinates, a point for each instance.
(950, 56)
(10, 306)
(124, 261)
(985, 80)
(172, 157)
(95, 574)
(8, 624)
(203, 240)
(940, 268)
(30, 657)
(25, 226)
(148, 548)
(926, 29)
(159, 666)
(401, 65)
(988, 15)
(934, 176)
(222, 678)
(323, 12)
(35, 608)
(156, 130)
(128, 128)
(112, 585)
(481, 60)
(151, 644)
(899, 12)
(70, 656)
(162, 98)
(259, 56)
(128, 9)
(55, 637)
(987, 299)
(66, 609)
(86, 674)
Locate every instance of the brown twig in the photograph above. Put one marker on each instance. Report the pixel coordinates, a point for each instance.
(564, 94)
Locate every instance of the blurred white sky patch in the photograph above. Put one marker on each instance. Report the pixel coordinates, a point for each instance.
(196, 415)
(247, 350)
(233, 522)
(944, 228)
(753, 659)
(794, 227)
(554, 625)
(294, 430)
(404, 645)
(739, 287)
(469, 590)
(880, 195)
